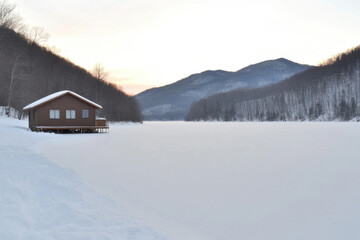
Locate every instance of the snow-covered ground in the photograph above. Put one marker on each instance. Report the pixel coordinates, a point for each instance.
(210, 181)
(41, 200)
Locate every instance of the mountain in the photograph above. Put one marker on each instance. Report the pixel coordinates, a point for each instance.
(172, 102)
(29, 72)
(328, 92)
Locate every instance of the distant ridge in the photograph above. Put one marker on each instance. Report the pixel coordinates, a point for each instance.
(172, 102)
(325, 93)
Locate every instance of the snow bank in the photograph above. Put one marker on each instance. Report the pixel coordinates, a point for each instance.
(14, 113)
(228, 181)
(41, 200)
(190, 181)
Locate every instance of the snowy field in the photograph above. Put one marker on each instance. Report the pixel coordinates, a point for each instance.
(177, 181)
(41, 200)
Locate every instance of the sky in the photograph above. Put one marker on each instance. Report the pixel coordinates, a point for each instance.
(151, 43)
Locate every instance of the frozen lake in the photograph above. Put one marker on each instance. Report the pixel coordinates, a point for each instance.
(230, 181)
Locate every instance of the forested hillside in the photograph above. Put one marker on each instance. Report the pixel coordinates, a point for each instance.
(29, 72)
(328, 92)
(173, 101)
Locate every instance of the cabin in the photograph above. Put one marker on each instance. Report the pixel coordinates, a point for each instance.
(65, 111)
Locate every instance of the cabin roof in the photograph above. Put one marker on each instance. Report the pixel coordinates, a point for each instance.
(59, 94)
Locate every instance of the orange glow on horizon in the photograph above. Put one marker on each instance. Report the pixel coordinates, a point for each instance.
(145, 43)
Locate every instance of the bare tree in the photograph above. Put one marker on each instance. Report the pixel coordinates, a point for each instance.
(37, 35)
(8, 18)
(99, 72)
(19, 73)
(8, 109)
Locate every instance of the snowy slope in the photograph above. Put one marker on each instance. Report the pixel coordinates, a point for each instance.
(41, 200)
(230, 181)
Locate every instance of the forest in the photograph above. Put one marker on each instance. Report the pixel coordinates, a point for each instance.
(29, 71)
(327, 92)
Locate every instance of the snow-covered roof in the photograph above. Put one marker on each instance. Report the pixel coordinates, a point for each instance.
(56, 95)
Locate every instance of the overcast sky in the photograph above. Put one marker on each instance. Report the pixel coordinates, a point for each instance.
(147, 43)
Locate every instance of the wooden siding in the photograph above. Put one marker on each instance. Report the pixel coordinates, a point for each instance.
(101, 122)
(32, 122)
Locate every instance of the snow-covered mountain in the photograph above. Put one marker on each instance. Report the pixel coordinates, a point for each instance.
(325, 93)
(172, 102)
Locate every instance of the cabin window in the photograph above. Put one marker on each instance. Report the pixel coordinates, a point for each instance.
(85, 113)
(54, 114)
(70, 114)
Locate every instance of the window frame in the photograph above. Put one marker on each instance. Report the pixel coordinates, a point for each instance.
(54, 114)
(70, 114)
(87, 115)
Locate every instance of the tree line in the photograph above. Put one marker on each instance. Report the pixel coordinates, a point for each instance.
(328, 92)
(29, 71)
